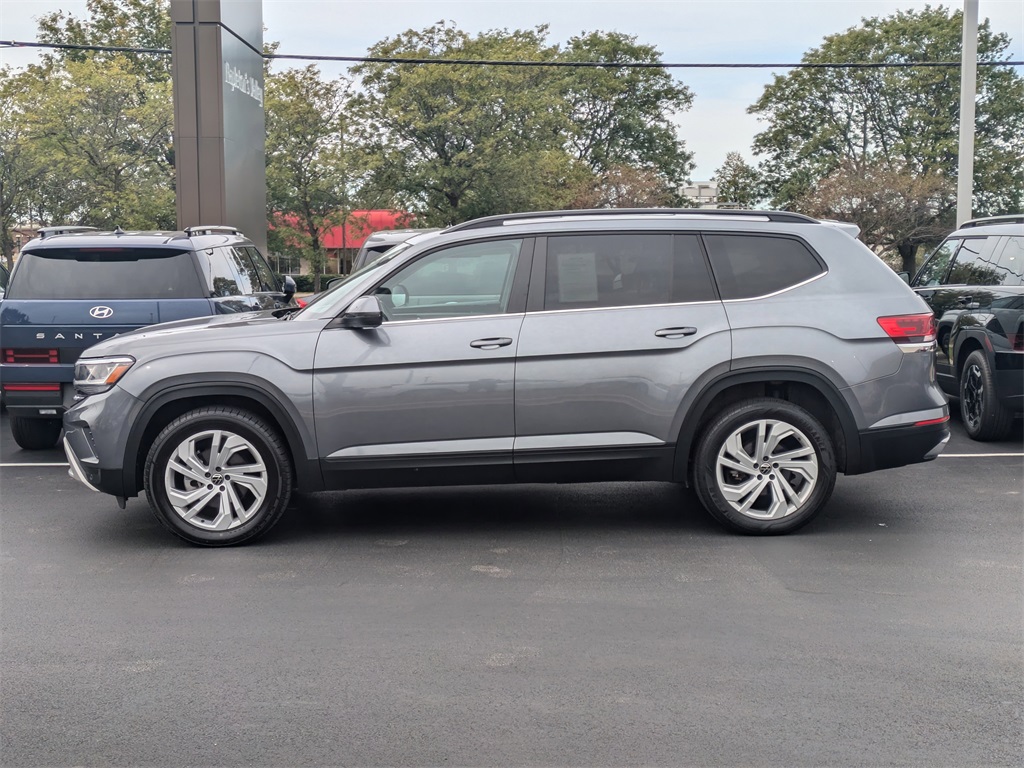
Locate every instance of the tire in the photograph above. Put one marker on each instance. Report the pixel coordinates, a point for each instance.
(984, 417)
(750, 493)
(228, 510)
(35, 434)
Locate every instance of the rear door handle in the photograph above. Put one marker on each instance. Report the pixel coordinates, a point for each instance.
(675, 333)
(494, 343)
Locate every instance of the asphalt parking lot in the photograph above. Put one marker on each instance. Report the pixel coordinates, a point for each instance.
(562, 625)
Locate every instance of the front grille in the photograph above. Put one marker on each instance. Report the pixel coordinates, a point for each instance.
(34, 356)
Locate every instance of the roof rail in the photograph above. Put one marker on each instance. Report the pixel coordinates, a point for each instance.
(1015, 218)
(62, 229)
(513, 218)
(211, 229)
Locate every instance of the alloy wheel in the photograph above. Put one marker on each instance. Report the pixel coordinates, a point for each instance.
(767, 469)
(215, 480)
(973, 396)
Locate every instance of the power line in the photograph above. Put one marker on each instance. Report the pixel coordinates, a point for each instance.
(503, 63)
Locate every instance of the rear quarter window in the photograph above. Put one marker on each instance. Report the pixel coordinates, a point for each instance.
(105, 273)
(746, 266)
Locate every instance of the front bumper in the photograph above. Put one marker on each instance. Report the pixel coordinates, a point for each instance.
(95, 431)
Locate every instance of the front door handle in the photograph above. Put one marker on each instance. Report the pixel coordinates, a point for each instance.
(494, 343)
(675, 333)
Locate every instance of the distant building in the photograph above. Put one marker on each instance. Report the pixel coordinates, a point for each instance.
(703, 193)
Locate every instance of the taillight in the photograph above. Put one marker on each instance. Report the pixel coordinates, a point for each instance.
(32, 387)
(909, 329)
(302, 302)
(1017, 342)
(36, 356)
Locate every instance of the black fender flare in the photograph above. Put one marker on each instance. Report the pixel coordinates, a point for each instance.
(307, 470)
(688, 431)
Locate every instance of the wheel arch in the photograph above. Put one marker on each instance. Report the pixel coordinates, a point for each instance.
(805, 388)
(171, 401)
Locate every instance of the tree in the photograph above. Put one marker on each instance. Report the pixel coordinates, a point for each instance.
(739, 182)
(894, 207)
(314, 165)
(621, 117)
(104, 138)
(904, 118)
(460, 141)
(19, 166)
(127, 23)
(623, 186)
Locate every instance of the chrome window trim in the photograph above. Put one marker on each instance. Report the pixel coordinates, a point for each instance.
(622, 306)
(392, 323)
(808, 281)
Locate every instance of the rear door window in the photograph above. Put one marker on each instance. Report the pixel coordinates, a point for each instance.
(105, 273)
(1009, 261)
(974, 264)
(584, 271)
(746, 266)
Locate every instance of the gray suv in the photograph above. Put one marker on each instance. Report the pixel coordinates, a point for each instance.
(753, 355)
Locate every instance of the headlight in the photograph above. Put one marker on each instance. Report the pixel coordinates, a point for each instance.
(100, 374)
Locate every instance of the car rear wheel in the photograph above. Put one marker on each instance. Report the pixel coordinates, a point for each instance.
(35, 434)
(984, 416)
(218, 476)
(764, 466)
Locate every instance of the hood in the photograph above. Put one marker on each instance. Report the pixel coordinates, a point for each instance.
(217, 332)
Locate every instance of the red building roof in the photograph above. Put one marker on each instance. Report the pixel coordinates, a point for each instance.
(360, 225)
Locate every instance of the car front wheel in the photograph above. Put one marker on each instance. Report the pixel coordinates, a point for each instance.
(984, 416)
(218, 476)
(764, 466)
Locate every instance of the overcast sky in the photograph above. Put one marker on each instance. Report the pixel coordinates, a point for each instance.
(685, 31)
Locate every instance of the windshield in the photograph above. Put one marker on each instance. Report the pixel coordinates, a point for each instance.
(326, 303)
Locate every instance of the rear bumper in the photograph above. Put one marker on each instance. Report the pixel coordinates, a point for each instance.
(899, 446)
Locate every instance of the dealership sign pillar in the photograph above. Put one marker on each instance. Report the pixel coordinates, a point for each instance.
(219, 126)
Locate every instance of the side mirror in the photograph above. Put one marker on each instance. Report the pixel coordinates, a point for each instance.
(288, 287)
(364, 312)
(904, 276)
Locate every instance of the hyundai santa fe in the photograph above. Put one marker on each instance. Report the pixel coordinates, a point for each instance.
(753, 355)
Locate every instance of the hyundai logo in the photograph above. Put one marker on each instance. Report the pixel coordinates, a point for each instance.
(101, 312)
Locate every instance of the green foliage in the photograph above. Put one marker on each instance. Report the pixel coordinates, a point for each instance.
(739, 182)
(20, 169)
(103, 139)
(127, 23)
(905, 118)
(461, 141)
(622, 117)
(314, 167)
(457, 142)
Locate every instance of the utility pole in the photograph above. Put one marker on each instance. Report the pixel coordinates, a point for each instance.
(968, 89)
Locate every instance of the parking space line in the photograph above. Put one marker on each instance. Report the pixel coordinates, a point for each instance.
(36, 464)
(980, 455)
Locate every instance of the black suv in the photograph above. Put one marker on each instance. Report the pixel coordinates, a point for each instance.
(974, 283)
(73, 287)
